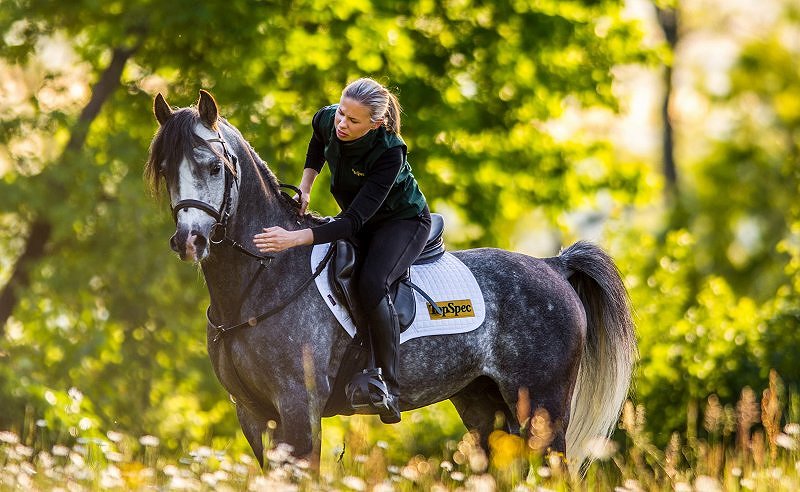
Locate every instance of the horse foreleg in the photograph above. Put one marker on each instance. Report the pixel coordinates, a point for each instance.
(253, 429)
(300, 427)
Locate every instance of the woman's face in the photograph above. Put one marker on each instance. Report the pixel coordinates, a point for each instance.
(352, 120)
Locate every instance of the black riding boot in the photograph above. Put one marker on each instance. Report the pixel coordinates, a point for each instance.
(384, 330)
(375, 389)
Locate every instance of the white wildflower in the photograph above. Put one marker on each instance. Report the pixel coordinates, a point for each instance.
(481, 483)
(354, 483)
(75, 394)
(77, 459)
(785, 441)
(111, 478)
(115, 457)
(633, 485)
(457, 476)
(792, 429)
(385, 486)
(602, 448)
(704, 483)
(8, 437)
(24, 482)
(410, 473)
(50, 397)
(114, 436)
(28, 468)
(209, 479)
(59, 450)
(149, 441)
(45, 460)
(23, 450)
(478, 461)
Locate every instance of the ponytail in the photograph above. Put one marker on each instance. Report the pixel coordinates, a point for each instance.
(382, 104)
(392, 119)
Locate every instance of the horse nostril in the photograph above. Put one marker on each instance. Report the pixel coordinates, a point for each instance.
(173, 243)
(200, 241)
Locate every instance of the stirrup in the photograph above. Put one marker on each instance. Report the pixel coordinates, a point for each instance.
(367, 392)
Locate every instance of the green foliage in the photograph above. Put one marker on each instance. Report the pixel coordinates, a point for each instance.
(107, 310)
(716, 295)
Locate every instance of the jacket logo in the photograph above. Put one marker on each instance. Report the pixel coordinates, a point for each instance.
(453, 309)
(357, 173)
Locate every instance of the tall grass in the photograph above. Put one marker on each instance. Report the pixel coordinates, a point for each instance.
(746, 446)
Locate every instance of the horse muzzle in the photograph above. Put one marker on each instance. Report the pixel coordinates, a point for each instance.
(190, 245)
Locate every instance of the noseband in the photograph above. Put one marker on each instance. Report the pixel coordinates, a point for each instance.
(222, 214)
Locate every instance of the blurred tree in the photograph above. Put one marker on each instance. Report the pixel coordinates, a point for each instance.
(668, 15)
(93, 298)
(726, 275)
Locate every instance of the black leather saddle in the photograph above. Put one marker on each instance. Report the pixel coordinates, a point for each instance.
(344, 264)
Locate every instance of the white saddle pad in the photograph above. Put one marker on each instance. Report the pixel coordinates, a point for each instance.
(447, 281)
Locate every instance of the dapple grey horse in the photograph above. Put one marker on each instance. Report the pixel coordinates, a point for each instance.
(557, 330)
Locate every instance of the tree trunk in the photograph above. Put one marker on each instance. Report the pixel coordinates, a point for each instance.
(41, 227)
(668, 20)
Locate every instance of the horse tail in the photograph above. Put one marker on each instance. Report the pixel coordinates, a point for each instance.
(609, 353)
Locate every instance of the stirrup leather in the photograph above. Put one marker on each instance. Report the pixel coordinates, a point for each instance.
(367, 392)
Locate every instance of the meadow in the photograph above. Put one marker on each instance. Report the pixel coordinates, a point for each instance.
(741, 446)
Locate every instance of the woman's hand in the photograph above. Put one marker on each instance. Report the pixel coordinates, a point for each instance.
(305, 199)
(276, 239)
(306, 183)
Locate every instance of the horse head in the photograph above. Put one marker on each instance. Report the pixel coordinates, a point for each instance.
(193, 152)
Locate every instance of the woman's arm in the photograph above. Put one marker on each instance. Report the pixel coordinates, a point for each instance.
(306, 183)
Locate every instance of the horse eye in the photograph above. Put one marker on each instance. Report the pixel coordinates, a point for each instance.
(216, 167)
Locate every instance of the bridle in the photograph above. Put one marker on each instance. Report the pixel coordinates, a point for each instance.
(219, 236)
(221, 215)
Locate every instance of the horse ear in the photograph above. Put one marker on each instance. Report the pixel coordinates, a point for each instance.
(161, 109)
(208, 109)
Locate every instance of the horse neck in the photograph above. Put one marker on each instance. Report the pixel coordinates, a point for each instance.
(229, 272)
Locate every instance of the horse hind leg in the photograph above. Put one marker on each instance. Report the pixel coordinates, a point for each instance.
(483, 410)
(545, 408)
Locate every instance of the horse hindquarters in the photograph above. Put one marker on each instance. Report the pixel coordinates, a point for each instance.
(529, 346)
(610, 351)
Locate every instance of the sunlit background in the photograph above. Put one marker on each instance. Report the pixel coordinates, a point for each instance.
(530, 125)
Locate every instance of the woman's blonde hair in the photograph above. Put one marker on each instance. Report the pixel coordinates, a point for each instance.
(382, 104)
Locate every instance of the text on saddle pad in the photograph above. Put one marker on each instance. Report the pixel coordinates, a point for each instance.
(461, 308)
